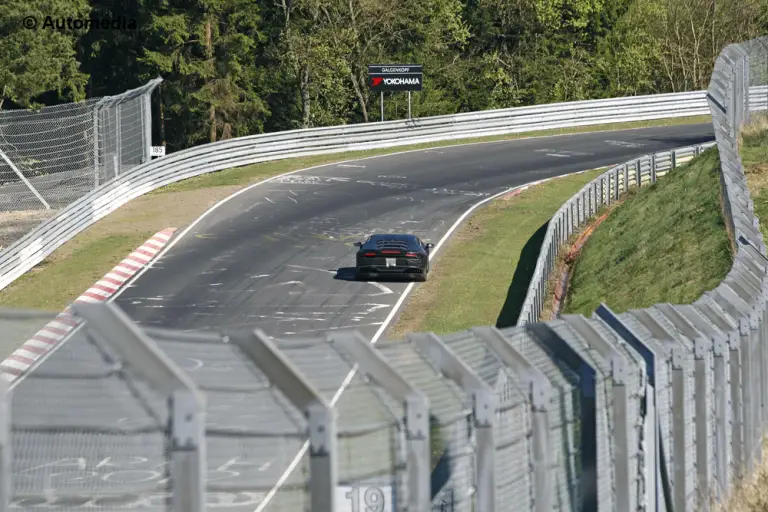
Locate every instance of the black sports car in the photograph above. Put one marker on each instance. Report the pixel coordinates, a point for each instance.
(403, 255)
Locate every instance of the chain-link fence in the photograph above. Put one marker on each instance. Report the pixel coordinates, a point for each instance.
(53, 156)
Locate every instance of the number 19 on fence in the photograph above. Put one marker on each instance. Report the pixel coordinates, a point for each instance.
(365, 499)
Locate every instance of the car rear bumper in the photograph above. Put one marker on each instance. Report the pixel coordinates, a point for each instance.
(377, 269)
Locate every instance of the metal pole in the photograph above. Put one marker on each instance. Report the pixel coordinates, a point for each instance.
(118, 138)
(381, 104)
(409, 105)
(96, 114)
(147, 120)
(24, 179)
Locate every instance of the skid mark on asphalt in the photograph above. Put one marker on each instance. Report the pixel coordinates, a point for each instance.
(355, 326)
(384, 290)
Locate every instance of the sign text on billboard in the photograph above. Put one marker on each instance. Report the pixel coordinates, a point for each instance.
(395, 77)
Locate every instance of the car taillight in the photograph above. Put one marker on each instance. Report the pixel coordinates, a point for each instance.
(390, 252)
(411, 255)
(369, 254)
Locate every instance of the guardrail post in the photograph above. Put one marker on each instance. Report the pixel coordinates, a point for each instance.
(373, 364)
(186, 402)
(638, 172)
(654, 167)
(595, 202)
(673, 159)
(540, 398)
(626, 178)
(616, 185)
(483, 409)
(579, 211)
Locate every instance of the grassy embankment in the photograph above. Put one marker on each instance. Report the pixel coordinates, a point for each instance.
(664, 243)
(751, 495)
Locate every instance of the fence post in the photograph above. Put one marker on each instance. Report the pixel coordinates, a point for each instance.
(702, 350)
(540, 395)
(621, 429)
(146, 101)
(653, 484)
(563, 351)
(96, 134)
(680, 437)
(321, 417)
(483, 409)
(186, 402)
(721, 428)
(376, 367)
(118, 137)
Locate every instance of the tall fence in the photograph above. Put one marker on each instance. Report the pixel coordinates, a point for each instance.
(53, 156)
(651, 409)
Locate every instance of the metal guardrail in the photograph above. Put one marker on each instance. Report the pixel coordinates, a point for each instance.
(34, 247)
(653, 409)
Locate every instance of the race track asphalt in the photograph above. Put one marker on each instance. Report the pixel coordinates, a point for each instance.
(276, 257)
(279, 256)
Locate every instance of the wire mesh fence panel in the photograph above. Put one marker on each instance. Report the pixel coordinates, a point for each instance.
(55, 155)
(371, 449)
(565, 423)
(452, 461)
(89, 433)
(253, 433)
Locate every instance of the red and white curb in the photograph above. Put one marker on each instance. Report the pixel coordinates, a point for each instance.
(47, 337)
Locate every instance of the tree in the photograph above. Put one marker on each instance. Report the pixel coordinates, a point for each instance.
(34, 61)
(207, 56)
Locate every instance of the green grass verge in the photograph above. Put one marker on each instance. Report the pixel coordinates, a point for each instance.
(250, 173)
(665, 243)
(754, 157)
(50, 286)
(482, 275)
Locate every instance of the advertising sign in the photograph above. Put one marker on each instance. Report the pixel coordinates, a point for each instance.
(395, 77)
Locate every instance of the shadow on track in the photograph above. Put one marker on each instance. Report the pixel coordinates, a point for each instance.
(348, 274)
(522, 279)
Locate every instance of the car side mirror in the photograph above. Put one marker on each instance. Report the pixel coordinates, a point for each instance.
(429, 246)
(358, 244)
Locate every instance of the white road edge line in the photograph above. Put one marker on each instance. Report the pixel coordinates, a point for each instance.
(183, 233)
(295, 462)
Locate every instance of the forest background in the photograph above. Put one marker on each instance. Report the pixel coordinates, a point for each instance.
(241, 67)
